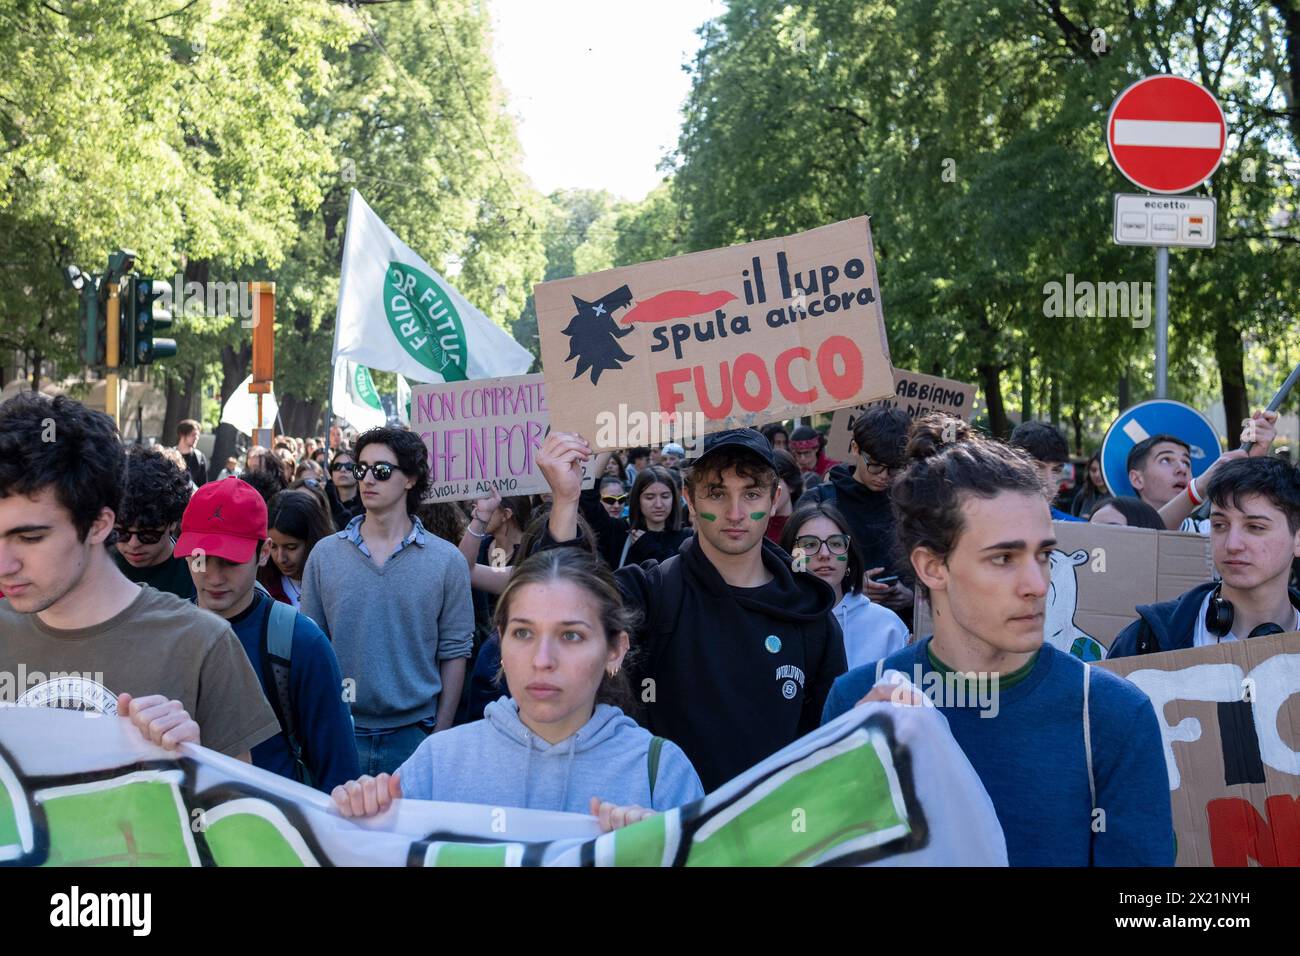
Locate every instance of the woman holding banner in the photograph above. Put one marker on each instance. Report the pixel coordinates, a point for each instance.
(561, 741)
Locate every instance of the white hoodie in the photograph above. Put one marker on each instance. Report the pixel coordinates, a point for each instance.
(871, 632)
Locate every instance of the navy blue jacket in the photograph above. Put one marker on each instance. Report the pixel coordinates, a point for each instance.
(321, 716)
(1167, 626)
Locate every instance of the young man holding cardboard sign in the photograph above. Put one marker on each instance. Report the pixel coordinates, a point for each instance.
(1255, 532)
(737, 652)
(1071, 758)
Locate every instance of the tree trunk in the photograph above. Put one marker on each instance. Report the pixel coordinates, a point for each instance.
(191, 399)
(1290, 13)
(293, 415)
(1076, 419)
(175, 410)
(1228, 353)
(991, 381)
(1054, 401)
(36, 371)
(1123, 392)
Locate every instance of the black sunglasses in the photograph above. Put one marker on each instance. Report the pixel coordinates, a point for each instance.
(810, 544)
(383, 470)
(144, 537)
(348, 466)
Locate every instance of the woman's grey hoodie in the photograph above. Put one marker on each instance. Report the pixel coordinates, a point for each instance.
(499, 761)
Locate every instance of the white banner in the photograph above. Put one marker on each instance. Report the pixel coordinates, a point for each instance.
(881, 785)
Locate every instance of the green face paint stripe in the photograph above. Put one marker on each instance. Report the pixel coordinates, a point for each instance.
(707, 517)
(757, 515)
(841, 557)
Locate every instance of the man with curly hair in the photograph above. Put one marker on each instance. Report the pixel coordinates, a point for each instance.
(154, 499)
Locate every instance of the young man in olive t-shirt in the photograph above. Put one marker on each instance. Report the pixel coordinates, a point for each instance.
(74, 632)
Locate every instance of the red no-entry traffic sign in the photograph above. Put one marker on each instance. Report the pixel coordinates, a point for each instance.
(1166, 134)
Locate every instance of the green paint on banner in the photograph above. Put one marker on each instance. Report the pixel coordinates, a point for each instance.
(707, 517)
(134, 824)
(841, 799)
(471, 854)
(9, 835)
(757, 515)
(245, 839)
(641, 844)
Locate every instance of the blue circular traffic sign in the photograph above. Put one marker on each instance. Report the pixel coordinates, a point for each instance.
(1159, 416)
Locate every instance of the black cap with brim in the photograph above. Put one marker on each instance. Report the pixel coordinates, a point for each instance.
(748, 439)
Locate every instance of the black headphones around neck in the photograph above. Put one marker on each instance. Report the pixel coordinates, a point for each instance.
(1219, 614)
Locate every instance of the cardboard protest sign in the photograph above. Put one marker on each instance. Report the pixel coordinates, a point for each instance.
(483, 435)
(1230, 718)
(1101, 573)
(727, 338)
(914, 393)
(877, 786)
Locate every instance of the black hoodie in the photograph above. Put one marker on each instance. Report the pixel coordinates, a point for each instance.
(738, 673)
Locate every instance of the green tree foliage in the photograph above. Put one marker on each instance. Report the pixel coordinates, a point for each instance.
(223, 141)
(973, 134)
(567, 220)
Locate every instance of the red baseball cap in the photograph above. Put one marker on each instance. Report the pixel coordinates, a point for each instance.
(226, 519)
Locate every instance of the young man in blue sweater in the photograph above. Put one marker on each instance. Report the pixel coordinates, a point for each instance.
(223, 533)
(1070, 756)
(1255, 535)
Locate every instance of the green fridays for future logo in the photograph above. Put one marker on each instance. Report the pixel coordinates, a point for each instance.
(364, 386)
(425, 321)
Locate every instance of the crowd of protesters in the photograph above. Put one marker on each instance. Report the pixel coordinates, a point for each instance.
(620, 649)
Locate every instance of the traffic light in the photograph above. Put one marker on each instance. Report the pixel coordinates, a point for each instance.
(94, 319)
(146, 318)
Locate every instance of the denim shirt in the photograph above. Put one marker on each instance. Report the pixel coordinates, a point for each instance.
(353, 533)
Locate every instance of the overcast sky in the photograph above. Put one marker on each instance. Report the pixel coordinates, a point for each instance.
(597, 86)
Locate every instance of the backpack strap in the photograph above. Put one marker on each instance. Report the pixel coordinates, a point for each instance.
(627, 546)
(277, 654)
(667, 608)
(669, 604)
(652, 762)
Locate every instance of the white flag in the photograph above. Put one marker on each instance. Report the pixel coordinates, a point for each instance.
(355, 399)
(241, 409)
(397, 314)
(404, 400)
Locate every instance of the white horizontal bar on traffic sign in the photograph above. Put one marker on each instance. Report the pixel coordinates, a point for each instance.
(1167, 133)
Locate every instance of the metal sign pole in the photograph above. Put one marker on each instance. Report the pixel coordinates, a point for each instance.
(1162, 322)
